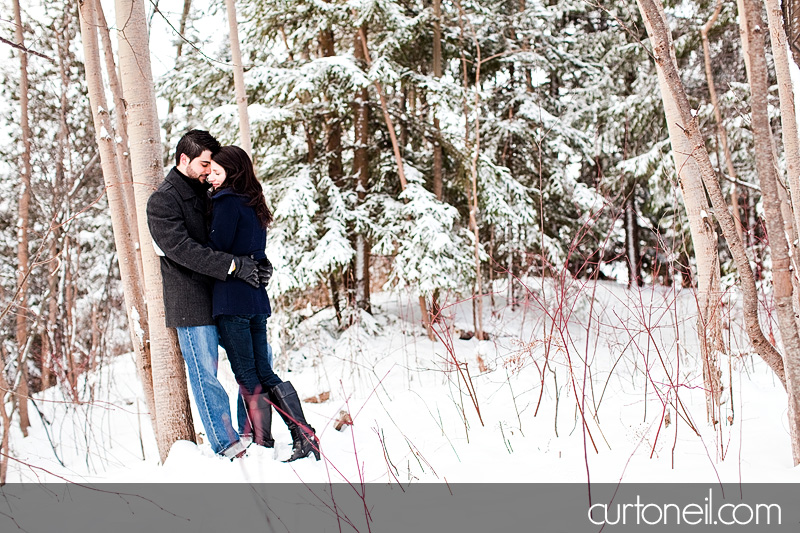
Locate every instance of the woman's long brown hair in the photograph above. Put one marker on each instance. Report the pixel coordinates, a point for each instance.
(241, 178)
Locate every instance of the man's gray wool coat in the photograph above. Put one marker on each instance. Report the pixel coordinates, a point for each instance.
(177, 217)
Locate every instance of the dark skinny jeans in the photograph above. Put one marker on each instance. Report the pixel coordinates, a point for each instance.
(245, 339)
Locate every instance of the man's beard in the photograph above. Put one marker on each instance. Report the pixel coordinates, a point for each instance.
(195, 176)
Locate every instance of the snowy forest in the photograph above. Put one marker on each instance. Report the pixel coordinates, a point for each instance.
(513, 240)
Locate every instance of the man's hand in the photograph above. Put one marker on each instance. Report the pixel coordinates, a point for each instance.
(246, 270)
(264, 271)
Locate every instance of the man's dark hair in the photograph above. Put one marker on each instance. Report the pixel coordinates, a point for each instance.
(194, 143)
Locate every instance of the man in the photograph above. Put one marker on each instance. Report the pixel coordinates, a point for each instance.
(176, 216)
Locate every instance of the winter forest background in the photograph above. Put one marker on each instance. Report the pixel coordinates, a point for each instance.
(489, 243)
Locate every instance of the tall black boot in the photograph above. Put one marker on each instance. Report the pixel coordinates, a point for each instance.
(259, 411)
(304, 439)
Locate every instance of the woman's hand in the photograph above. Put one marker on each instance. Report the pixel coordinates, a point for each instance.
(264, 271)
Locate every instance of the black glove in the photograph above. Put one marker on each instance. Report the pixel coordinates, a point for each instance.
(264, 271)
(246, 270)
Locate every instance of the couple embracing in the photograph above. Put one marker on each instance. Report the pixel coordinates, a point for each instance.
(215, 271)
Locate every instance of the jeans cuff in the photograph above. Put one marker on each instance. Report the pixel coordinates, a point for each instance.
(233, 451)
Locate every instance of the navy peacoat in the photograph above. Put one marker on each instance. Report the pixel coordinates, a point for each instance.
(177, 218)
(235, 229)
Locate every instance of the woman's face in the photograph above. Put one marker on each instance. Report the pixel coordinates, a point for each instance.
(217, 175)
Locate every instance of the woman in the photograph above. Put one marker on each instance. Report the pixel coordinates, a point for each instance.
(239, 221)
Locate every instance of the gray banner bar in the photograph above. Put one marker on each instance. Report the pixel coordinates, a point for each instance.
(440, 508)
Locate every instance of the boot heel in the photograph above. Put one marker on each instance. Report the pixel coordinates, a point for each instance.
(304, 438)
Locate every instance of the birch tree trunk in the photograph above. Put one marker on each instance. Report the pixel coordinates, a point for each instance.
(792, 10)
(50, 344)
(791, 143)
(651, 10)
(187, 6)
(120, 116)
(23, 215)
(238, 79)
(132, 285)
(721, 133)
(704, 238)
(766, 166)
(169, 376)
(712, 375)
(477, 308)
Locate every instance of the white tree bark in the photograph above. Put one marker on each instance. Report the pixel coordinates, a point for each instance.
(766, 165)
(238, 79)
(169, 376)
(704, 236)
(791, 143)
(723, 136)
(132, 285)
(121, 144)
(651, 10)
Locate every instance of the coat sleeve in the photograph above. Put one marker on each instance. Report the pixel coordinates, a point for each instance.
(169, 232)
(224, 223)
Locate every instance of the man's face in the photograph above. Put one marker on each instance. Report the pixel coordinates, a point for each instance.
(198, 168)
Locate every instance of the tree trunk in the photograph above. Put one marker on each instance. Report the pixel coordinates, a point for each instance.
(333, 126)
(169, 375)
(632, 240)
(704, 238)
(652, 11)
(473, 196)
(120, 115)
(22, 226)
(5, 425)
(386, 117)
(133, 288)
(791, 143)
(723, 136)
(50, 342)
(333, 154)
(238, 79)
(403, 114)
(438, 152)
(335, 297)
(187, 6)
(438, 178)
(768, 178)
(526, 47)
(361, 171)
(792, 11)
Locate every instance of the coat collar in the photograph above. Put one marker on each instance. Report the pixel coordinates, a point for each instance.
(176, 179)
(227, 191)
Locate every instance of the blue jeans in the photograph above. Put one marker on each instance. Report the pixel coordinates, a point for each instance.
(199, 349)
(245, 340)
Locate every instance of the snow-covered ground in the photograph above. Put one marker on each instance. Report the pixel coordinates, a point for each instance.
(501, 410)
